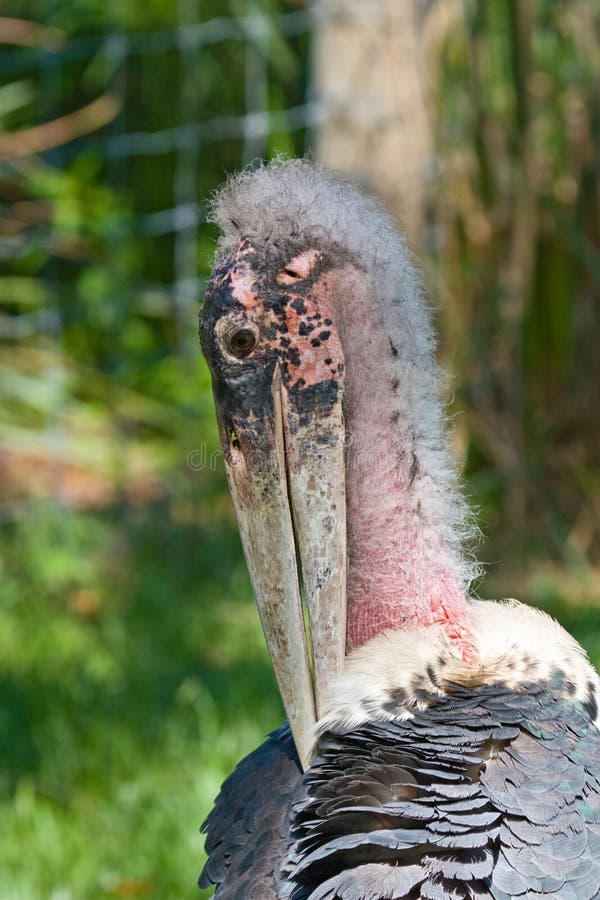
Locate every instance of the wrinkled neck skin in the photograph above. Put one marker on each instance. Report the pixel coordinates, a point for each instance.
(402, 573)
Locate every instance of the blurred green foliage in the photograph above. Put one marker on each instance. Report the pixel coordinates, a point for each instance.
(133, 674)
(514, 256)
(128, 647)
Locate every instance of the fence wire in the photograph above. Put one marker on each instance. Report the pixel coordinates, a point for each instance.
(111, 140)
(118, 53)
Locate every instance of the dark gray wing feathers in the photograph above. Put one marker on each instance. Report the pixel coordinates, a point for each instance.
(247, 829)
(488, 794)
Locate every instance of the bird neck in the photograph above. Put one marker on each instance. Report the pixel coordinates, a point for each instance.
(406, 567)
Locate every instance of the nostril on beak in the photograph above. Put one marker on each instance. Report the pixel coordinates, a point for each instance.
(236, 454)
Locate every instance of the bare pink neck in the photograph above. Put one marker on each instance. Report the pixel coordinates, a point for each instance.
(402, 573)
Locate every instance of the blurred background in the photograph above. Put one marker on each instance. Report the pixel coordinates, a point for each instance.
(133, 674)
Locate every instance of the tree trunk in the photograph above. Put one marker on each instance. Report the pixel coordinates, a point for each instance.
(371, 92)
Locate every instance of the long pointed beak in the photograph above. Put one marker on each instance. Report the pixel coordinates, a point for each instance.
(286, 475)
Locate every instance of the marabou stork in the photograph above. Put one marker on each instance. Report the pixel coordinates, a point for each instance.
(454, 752)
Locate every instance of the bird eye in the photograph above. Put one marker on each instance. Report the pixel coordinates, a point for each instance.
(242, 342)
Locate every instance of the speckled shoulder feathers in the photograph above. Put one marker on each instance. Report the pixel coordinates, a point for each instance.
(399, 672)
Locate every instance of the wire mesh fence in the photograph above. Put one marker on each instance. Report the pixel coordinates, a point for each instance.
(116, 57)
(112, 142)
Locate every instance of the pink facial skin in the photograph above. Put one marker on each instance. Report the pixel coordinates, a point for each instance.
(304, 335)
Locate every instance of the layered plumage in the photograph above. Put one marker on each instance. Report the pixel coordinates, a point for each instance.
(434, 781)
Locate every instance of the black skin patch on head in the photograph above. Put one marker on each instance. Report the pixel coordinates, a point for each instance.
(309, 401)
(327, 322)
(315, 343)
(324, 335)
(293, 355)
(305, 328)
(244, 408)
(242, 387)
(298, 305)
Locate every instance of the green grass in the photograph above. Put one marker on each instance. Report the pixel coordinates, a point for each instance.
(133, 677)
